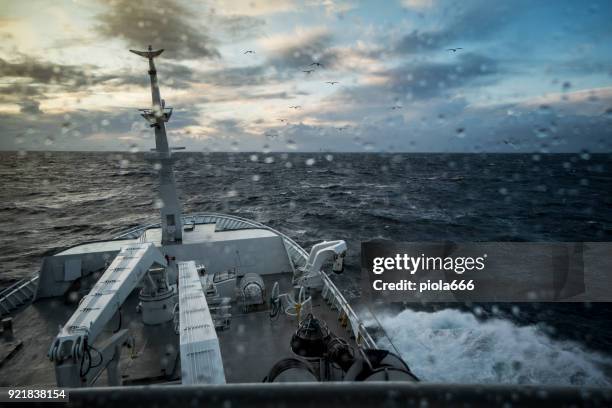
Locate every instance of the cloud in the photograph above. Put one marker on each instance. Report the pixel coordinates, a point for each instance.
(27, 80)
(81, 129)
(420, 81)
(235, 27)
(463, 21)
(253, 7)
(301, 48)
(31, 107)
(48, 73)
(162, 23)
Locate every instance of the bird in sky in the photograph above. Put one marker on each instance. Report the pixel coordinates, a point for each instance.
(316, 64)
(454, 49)
(342, 128)
(249, 52)
(282, 119)
(308, 71)
(332, 82)
(295, 107)
(396, 107)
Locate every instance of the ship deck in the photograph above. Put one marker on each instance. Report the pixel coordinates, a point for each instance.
(251, 345)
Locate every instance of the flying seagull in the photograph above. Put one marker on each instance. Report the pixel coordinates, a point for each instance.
(396, 107)
(295, 107)
(283, 120)
(308, 71)
(332, 82)
(249, 52)
(454, 49)
(316, 64)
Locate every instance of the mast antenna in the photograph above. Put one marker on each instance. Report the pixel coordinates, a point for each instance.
(157, 116)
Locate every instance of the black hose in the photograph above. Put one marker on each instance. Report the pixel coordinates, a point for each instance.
(288, 364)
(275, 310)
(87, 353)
(99, 354)
(120, 321)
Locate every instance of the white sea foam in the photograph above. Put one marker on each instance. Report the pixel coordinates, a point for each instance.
(453, 346)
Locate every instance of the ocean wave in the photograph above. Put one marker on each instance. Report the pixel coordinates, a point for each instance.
(454, 346)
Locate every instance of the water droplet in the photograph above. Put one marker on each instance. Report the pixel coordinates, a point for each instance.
(329, 157)
(460, 132)
(541, 133)
(104, 122)
(269, 160)
(158, 203)
(310, 162)
(291, 144)
(544, 109)
(253, 157)
(157, 166)
(256, 177)
(134, 148)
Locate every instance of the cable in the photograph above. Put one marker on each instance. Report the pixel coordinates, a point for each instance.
(99, 354)
(120, 321)
(288, 364)
(275, 310)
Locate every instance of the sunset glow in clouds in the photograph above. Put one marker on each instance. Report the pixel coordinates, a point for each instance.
(529, 77)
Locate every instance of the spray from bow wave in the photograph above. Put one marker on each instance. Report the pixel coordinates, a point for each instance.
(455, 347)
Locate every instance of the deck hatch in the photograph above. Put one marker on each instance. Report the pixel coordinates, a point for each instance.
(201, 361)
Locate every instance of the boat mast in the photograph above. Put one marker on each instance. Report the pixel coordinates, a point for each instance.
(157, 116)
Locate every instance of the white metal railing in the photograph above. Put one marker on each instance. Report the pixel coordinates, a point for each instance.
(17, 294)
(297, 255)
(362, 337)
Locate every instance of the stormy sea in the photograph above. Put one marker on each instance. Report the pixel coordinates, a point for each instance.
(58, 199)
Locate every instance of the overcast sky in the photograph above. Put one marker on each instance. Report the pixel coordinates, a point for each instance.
(532, 76)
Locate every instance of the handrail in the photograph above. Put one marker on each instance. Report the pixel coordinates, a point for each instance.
(359, 331)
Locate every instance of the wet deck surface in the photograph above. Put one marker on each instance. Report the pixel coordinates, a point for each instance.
(249, 347)
(254, 343)
(37, 325)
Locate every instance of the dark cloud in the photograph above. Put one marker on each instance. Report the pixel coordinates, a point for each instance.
(170, 74)
(43, 72)
(422, 81)
(464, 21)
(31, 107)
(162, 23)
(82, 129)
(302, 52)
(31, 80)
(428, 79)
